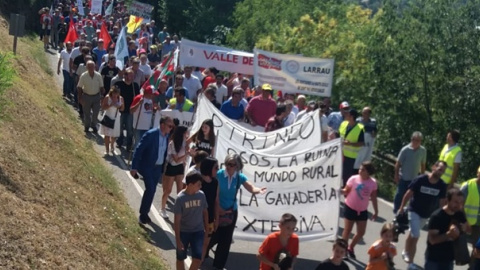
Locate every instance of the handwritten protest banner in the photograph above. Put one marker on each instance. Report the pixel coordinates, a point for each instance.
(96, 7)
(294, 73)
(305, 133)
(204, 55)
(141, 10)
(305, 183)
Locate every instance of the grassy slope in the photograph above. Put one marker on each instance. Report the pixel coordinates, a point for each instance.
(60, 207)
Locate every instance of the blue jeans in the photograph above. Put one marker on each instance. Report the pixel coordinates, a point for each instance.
(151, 178)
(67, 83)
(402, 188)
(138, 136)
(194, 240)
(126, 123)
(430, 265)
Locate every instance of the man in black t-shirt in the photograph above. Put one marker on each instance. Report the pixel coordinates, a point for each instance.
(109, 71)
(425, 192)
(444, 227)
(128, 90)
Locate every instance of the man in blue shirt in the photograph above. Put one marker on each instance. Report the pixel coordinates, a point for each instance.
(232, 107)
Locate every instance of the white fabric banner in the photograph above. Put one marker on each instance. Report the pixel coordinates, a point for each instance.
(96, 7)
(305, 133)
(293, 73)
(205, 55)
(80, 7)
(184, 118)
(141, 10)
(304, 183)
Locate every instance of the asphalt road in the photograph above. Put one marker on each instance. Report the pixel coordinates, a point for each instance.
(242, 255)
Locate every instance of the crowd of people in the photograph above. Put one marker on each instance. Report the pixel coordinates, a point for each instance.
(206, 207)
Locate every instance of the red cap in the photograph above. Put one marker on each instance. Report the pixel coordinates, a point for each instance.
(149, 90)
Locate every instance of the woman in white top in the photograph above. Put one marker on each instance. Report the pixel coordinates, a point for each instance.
(176, 156)
(112, 105)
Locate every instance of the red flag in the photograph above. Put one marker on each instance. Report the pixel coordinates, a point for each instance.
(105, 35)
(72, 35)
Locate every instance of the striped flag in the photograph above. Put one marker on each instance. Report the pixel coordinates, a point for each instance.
(165, 69)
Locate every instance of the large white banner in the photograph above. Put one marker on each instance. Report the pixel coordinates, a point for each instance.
(303, 134)
(304, 181)
(141, 10)
(293, 73)
(96, 7)
(205, 55)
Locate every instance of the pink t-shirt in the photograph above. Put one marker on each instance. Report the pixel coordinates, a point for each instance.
(261, 109)
(360, 191)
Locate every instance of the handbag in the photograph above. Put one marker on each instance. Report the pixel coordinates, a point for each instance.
(107, 121)
(227, 219)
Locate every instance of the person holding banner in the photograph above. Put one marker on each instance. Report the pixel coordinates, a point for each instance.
(359, 190)
(229, 181)
(179, 102)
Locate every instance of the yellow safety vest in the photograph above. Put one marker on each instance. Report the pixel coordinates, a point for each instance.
(472, 202)
(348, 150)
(187, 104)
(449, 158)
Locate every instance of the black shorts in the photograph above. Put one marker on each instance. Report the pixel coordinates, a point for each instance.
(351, 214)
(174, 170)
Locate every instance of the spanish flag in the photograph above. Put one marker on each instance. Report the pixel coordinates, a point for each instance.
(133, 24)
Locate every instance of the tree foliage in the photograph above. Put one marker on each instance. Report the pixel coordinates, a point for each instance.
(197, 19)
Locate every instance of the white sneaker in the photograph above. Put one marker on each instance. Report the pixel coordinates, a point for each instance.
(405, 257)
(163, 214)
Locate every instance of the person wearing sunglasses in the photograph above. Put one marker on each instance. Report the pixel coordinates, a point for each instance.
(229, 181)
(148, 160)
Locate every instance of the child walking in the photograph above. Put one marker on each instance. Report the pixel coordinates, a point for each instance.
(383, 250)
(280, 249)
(191, 221)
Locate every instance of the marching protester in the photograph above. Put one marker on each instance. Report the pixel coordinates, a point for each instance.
(358, 192)
(279, 250)
(335, 262)
(335, 119)
(444, 226)
(229, 181)
(64, 62)
(452, 155)
(204, 139)
(191, 222)
(410, 163)
(148, 160)
(180, 102)
(383, 250)
(232, 108)
(423, 195)
(370, 128)
(128, 90)
(109, 71)
(176, 156)
(112, 106)
(90, 87)
(210, 95)
(144, 110)
(209, 169)
(471, 193)
(276, 122)
(352, 134)
(262, 107)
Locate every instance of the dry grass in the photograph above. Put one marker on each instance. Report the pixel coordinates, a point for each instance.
(60, 207)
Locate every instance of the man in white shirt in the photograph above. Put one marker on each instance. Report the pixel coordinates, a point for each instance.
(64, 61)
(191, 83)
(222, 91)
(144, 66)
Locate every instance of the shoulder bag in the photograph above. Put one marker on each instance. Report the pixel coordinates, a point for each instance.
(227, 219)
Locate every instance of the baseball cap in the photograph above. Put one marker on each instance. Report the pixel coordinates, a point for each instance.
(344, 105)
(267, 86)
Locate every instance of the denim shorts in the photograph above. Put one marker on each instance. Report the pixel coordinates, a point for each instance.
(194, 240)
(416, 224)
